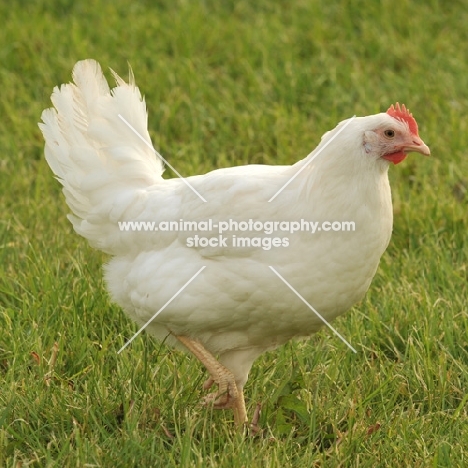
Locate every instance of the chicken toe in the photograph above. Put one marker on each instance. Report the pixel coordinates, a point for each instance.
(229, 394)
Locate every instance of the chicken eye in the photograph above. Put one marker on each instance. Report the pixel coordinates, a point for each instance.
(389, 133)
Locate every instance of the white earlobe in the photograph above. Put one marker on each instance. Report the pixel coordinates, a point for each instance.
(370, 138)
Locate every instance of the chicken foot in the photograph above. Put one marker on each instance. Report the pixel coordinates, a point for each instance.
(229, 395)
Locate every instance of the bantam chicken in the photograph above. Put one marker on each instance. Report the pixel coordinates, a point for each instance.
(225, 296)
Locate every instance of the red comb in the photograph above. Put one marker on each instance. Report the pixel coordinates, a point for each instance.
(403, 114)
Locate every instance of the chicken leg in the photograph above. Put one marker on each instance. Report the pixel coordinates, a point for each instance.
(229, 394)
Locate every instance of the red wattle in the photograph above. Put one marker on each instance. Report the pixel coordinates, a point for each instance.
(395, 158)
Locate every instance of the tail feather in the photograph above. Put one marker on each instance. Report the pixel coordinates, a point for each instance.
(94, 154)
(90, 80)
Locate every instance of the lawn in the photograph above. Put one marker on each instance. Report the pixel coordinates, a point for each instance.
(229, 83)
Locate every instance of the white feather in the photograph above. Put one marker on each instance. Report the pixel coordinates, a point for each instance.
(236, 307)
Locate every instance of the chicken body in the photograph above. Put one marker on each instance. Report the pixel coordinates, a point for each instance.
(236, 308)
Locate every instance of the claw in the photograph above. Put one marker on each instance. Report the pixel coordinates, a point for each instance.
(226, 395)
(208, 384)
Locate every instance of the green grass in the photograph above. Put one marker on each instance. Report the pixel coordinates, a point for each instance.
(230, 83)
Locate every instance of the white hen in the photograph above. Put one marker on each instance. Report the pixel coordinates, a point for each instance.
(236, 308)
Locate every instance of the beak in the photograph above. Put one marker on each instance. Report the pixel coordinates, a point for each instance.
(417, 146)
